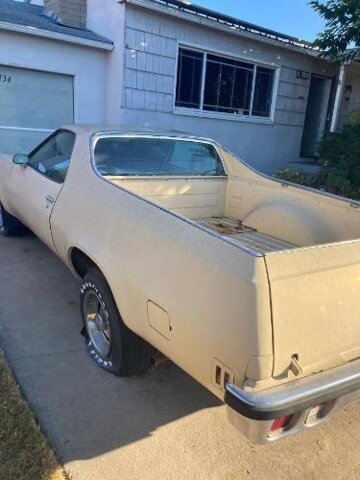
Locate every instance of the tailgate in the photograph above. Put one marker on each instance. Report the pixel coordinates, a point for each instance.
(315, 294)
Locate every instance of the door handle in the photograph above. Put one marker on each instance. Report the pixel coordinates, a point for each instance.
(49, 199)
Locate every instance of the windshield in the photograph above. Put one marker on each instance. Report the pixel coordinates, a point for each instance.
(156, 156)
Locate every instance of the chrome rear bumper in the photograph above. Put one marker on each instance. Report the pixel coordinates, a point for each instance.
(253, 412)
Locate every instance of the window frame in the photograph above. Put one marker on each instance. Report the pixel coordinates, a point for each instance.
(100, 135)
(201, 112)
(46, 140)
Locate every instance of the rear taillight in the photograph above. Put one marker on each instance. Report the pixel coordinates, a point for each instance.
(280, 424)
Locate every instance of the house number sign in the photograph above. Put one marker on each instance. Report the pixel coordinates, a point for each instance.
(5, 78)
(302, 75)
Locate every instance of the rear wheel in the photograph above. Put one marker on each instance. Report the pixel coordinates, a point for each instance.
(110, 343)
(9, 225)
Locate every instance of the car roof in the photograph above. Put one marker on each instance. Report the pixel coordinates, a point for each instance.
(90, 129)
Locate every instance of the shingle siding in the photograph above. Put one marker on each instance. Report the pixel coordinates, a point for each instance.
(149, 66)
(151, 44)
(150, 62)
(291, 98)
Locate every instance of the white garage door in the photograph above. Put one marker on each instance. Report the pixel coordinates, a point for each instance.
(32, 104)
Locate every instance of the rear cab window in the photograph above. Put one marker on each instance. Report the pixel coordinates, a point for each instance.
(152, 156)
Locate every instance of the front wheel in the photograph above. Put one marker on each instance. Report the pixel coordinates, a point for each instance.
(110, 343)
(9, 225)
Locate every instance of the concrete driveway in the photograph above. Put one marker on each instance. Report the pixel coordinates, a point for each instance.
(160, 425)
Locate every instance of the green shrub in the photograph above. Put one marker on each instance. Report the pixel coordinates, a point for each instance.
(339, 161)
(296, 176)
(353, 118)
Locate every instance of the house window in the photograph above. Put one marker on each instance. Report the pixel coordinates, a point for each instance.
(228, 85)
(208, 82)
(190, 66)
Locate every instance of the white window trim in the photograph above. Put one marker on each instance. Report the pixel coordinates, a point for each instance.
(222, 116)
(199, 112)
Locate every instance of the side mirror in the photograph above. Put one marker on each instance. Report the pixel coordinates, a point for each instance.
(21, 159)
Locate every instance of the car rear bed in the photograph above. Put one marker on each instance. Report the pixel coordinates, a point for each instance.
(248, 237)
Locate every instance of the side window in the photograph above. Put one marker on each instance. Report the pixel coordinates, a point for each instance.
(52, 158)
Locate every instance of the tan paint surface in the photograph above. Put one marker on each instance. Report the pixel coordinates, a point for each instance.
(315, 296)
(217, 296)
(148, 254)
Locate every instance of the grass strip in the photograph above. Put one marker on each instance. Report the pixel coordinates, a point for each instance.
(25, 453)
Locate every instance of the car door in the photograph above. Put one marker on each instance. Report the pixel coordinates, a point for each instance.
(33, 189)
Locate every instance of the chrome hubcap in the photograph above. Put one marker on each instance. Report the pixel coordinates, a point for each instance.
(97, 324)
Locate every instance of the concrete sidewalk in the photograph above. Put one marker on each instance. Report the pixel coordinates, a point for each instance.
(161, 425)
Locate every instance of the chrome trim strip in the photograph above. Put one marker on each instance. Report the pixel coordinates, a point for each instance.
(95, 136)
(351, 202)
(260, 431)
(180, 135)
(295, 395)
(184, 138)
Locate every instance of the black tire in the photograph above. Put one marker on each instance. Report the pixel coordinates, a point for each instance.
(127, 353)
(9, 225)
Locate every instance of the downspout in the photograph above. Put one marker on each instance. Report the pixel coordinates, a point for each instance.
(338, 97)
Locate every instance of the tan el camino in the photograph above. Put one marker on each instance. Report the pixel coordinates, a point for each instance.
(249, 284)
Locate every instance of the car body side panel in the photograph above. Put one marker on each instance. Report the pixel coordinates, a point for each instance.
(31, 197)
(6, 166)
(216, 295)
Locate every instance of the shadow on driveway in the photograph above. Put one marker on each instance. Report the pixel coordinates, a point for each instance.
(85, 410)
(161, 424)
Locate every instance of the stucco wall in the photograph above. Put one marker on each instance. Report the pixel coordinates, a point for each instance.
(108, 18)
(151, 44)
(86, 65)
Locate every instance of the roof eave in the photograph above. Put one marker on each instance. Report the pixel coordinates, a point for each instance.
(38, 32)
(218, 26)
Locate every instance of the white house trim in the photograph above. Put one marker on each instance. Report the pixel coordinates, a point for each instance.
(25, 129)
(15, 27)
(338, 98)
(200, 112)
(212, 24)
(221, 116)
(224, 53)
